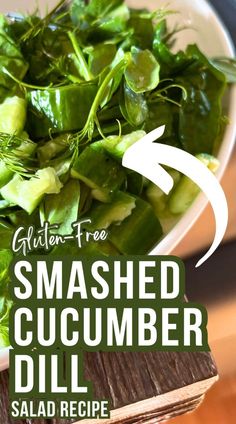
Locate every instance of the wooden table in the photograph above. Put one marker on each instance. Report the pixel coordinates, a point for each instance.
(142, 387)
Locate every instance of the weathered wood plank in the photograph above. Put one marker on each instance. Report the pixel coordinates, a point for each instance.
(4, 400)
(4, 403)
(132, 377)
(148, 387)
(140, 386)
(154, 417)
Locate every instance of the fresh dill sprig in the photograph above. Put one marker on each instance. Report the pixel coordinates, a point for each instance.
(92, 120)
(60, 65)
(13, 157)
(82, 64)
(162, 94)
(24, 84)
(157, 14)
(36, 28)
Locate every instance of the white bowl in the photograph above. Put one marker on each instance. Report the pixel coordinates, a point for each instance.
(212, 37)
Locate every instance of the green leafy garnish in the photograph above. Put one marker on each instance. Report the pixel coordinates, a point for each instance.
(228, 67)
(16, 154)
(142, 73)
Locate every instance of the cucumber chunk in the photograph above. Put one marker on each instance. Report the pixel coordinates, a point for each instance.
(60, 109)
(53, 148)
(26, 149)
(99, 172)
(62, 208)
(103, 215)
(5, 174)
(186, 190)
(28, 193)
(13, 115)
(158, 199)
(138, 233)
(116, 146)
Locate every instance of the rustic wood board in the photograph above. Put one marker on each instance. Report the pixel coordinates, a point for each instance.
(143, 388)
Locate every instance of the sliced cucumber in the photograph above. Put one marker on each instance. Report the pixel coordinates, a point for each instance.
(52, 148)
(28, 193)
(135, 183)
(26, 149)
(104, 215)
(186, 190)
(60, 109)
(62, 208)
(99, 172)
(5, 174)
(116, 146)
(138, 233)
(157, 198)
(13, 115)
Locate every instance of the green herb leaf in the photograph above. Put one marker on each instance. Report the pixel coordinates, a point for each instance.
(78, 10)
(142, 30)
(100, 8)
(142, 73)
(15, 156)
(82, 64)
(227, 67)
(100, 56)
(201, 112)
(5, 307)
(12, 60)
(6, 257)
(6, 231)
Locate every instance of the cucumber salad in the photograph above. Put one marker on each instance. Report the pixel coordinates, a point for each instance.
(77, 88)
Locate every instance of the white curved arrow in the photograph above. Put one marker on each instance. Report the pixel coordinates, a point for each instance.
(145, 156)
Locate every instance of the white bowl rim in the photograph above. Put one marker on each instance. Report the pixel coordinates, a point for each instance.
(192, 215)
